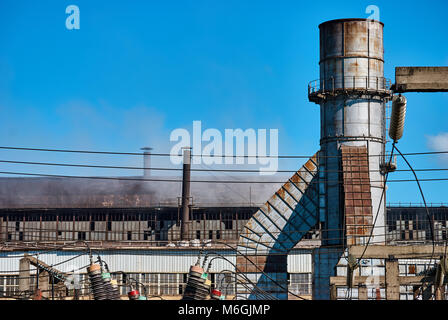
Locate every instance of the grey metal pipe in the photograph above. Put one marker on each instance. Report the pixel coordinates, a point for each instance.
(146, 161)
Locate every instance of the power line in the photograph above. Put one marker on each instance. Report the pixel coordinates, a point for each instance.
(383, 191)
(194, 181)
(204, 155)
(193, 169)
(426, 207)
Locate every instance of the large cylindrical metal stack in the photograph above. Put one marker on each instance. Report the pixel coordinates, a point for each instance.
(352, 93)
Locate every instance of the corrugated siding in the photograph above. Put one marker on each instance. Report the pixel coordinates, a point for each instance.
(300, 262)
(172, 261)
(151, 261)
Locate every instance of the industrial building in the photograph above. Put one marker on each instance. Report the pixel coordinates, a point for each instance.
(323, 233)
(142, 239)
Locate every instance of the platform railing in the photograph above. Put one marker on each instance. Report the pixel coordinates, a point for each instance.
(346, 83)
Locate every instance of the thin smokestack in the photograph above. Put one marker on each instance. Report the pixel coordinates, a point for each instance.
(146, 161)
(186, 194)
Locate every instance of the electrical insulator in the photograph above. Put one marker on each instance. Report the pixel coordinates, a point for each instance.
(111, 292)
(116, 290)
(216, 294)
(198, 286)
(134, 295)
(397, 117)
(96, 282)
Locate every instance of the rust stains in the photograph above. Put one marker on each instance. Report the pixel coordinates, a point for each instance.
(357, 196)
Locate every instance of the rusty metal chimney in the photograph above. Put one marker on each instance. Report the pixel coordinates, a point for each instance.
(185, 232)
(351, 93)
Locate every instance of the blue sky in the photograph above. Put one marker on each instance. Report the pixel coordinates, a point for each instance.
(136, 70)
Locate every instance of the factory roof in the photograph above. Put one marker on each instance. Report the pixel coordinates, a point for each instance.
(134, 191)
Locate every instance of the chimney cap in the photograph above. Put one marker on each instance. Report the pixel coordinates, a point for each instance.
(349, 20)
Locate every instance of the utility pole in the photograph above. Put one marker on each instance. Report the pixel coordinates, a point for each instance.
(186, 194)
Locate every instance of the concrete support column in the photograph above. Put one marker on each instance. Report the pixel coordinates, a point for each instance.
(362, 292)
(439, 293)
(333, 292)
(24, 274)
(268, 272)
(392, 282)
(325, 260)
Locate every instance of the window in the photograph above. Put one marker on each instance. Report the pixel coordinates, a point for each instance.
(376, 293)
(198, 234)
(20, 236)
(300, 283)
(109, 225)
(145, 235)
(343, 293)
(162, 283)
(228, 223)
(169, 284)
(218, 234)
(210, 234)
(9, 285)
(129, 235)
(151, 280)
(412, 267)
(81, 235)
(92, 225)
(225, 281)
(17, 225)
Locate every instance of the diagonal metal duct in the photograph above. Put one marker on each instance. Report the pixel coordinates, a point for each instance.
(274, 230)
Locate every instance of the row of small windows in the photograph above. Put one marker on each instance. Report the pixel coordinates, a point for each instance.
(82, 235)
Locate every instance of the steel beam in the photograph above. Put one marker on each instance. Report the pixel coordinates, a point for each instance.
(399, 252)
(421, 79)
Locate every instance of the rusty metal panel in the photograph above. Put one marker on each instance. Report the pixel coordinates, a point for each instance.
(357, 197)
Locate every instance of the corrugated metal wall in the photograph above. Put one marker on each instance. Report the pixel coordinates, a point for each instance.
(143, 261)
(300, 262)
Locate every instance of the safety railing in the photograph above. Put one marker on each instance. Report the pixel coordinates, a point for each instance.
(346, 83)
